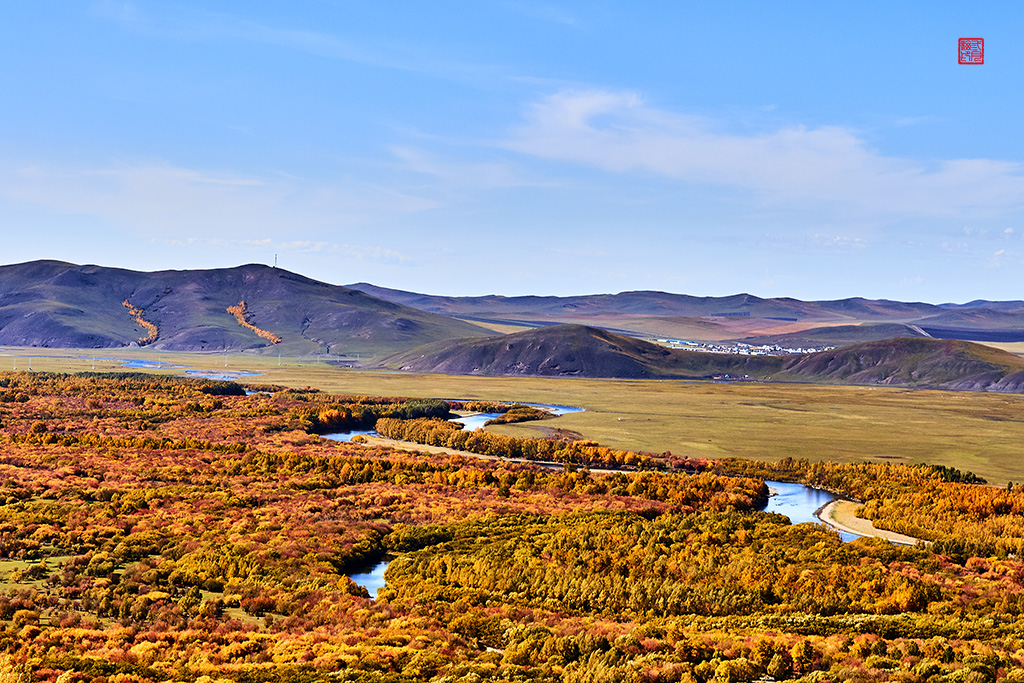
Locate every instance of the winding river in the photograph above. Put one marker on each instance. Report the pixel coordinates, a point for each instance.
(799, 502)
(469, 422)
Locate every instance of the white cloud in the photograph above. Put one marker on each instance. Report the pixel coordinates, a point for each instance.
(267, 245)
(463, 174)
(191, 23)
(619, 133)
(371, 253)
(838, 241)
(1004, 257)
(158, 199)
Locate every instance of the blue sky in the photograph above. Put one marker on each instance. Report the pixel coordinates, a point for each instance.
(805, 149)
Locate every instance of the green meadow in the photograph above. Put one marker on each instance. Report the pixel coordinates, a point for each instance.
(983, 433)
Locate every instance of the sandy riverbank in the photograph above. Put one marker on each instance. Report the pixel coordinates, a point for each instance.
(842, 515)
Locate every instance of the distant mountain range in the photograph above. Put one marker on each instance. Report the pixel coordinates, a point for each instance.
(580, 351)
(56, 304)
(738, 317)
(265, 310)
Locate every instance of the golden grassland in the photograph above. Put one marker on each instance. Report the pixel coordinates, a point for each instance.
(501, 328)
(979, 432)
(1012, 347)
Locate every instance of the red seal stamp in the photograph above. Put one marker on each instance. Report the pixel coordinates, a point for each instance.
(972, 51)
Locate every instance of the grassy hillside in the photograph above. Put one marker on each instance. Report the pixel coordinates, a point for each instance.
(947, 364)
(568, 351)
(578, 351)
(55, 304)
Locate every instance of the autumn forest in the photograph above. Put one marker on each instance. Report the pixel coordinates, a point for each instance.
(170, 529)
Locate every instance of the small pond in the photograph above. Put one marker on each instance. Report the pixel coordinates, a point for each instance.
(471, 422)
(373, 579)
(347, 436)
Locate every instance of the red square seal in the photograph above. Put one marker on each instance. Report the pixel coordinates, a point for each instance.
(972, 51)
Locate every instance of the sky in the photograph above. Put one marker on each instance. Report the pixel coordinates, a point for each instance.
(803, 149)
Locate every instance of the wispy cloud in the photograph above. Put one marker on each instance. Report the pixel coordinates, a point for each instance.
(305, 246)
(371, 253)
(159, 199)
(464, 174)
(193, 24)
(999, 258)
(806, 167)
(838, 241)
(362, 252)
(121, 11)
(543, 11)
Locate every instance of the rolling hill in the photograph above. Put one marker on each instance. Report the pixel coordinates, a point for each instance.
(565, 351)
(57, 304)
(580, 351)
(265, 310)
(917, 362)
(741, 317)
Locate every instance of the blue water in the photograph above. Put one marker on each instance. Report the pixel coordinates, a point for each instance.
(372, 580)
(471, 422)
(220, 375)
(143, 363)
(478, 421)
(796, 501)
(149, 364)
(799, 503)
(556, 409)
(347, 436)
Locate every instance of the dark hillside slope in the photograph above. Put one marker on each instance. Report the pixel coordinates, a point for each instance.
(579, 351)
(921, 362)
(566, 350)
(55, 304)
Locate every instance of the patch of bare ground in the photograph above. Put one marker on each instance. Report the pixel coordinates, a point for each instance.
(842, 515)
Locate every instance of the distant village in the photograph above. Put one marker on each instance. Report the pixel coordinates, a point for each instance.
(740, 348)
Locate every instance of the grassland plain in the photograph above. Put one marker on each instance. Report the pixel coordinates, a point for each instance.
(974, 431)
